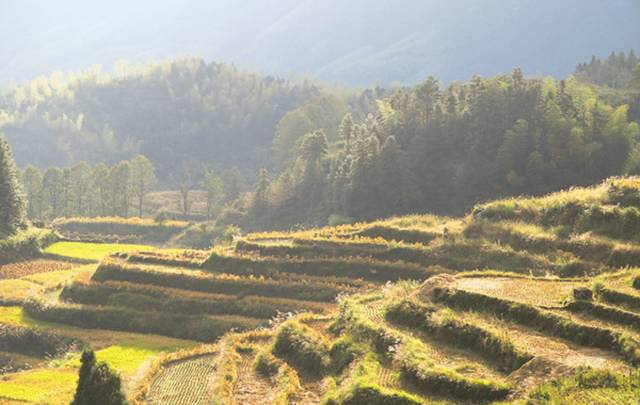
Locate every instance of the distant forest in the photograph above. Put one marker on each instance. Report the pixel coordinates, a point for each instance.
(318, 154)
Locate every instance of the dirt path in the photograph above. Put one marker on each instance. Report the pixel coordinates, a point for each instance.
(250, 388)
(183, 382)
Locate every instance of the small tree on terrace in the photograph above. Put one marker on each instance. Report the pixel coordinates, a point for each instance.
(97, 384)
(143, 178)
(12, 204)
(214, 187)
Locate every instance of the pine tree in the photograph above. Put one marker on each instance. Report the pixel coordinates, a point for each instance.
(97, 384)
(12, 201)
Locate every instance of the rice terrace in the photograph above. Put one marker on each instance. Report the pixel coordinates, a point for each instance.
(336, 202)
(498, 306)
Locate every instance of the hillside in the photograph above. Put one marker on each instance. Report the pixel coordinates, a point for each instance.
(509, 297)
(353, 43)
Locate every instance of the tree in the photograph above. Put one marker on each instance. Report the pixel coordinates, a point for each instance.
(212, 184)
(101, 183)
(32, 182)
(52, 185)
(261, 194)
(12, 202)
(81, 187)
(143, 178)
(121, 187)
(346, 129)
(186, 185)
(97, 384)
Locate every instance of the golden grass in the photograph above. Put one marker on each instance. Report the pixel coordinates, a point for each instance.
(91, 251)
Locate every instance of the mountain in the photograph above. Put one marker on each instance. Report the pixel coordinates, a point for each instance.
(354, 42)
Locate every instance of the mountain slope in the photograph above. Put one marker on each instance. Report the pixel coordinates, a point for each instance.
(354, 42)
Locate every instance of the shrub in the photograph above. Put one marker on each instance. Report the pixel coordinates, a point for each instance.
(33, 342)
(302, 347)
(25, 244)
(266, 365)
(342, 352)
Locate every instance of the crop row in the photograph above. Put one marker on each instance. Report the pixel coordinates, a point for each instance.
(152, 298)
(222, 283)
(201, 328)
(351, 267)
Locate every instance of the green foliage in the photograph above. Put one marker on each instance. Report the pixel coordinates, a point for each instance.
(266, 364)
(615, 71)
(302, 347)
(431, 146)
(33, 342)
(595, 386)
(12, 201)
(97, 384)
(25, 244)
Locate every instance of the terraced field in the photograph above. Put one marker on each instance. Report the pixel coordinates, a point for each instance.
(522, 301)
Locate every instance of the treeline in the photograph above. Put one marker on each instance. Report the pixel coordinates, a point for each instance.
(84, 190)
(616, 71)
(434, 149)
(12, 201)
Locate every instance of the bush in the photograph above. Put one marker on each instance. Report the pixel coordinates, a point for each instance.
(266, 365)
(33, 342)
(342, 353)
(302, 347)
(25, 245)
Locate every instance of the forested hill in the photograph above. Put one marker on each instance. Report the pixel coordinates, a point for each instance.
(354, 42)
(175, 112)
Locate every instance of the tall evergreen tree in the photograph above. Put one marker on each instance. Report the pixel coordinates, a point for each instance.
(12, 201)
(97, 384)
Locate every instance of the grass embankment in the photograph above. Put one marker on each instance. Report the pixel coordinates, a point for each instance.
(118, 229)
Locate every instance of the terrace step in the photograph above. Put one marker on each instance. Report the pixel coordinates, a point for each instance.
(185, 381)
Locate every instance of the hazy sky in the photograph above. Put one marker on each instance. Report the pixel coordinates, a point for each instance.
(350, 41)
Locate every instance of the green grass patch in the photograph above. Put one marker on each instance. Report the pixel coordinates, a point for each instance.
(41, 386)
(91, 251)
